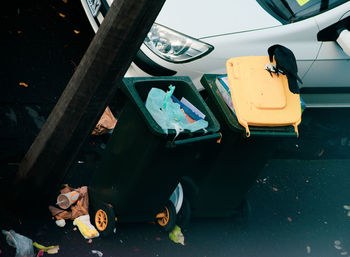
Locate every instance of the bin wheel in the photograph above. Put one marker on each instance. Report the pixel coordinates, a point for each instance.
(167, 217)
(104, 219)
(184, 215)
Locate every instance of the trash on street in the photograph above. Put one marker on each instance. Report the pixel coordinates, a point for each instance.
(176, 236)
(85, 227)
(23, 245)
(48, 249)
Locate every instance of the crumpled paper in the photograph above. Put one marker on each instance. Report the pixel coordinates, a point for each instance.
(81, 207)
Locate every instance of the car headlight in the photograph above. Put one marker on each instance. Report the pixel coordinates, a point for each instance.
(173, 46)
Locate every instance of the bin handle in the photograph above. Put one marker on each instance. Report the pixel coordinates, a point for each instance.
(214, 136)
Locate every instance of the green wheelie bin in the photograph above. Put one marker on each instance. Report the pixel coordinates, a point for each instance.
(222, 183)
(142, 165)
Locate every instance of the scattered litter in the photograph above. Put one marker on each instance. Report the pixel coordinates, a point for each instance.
(307, 181)
(19, 32)
(22, 83)
(77, 209)
(61, 223)
(85, 227)
(343, 253)
(65, 1)
(308, 249)
(325, 222)
(275, 189)
(75, 229)
(337, 242)
(62, 15)
(115, 230)
(176, 236)
(347, 207)
(40, 253)
(48, 249)
(99, 253)
(23, 245)
(289, 219)
(80, 162)
(64, 201)
(121, 241)
(90, 241)
(297, 198)
(76, 31)
(262, 181)
(338, 247)
(320, 153)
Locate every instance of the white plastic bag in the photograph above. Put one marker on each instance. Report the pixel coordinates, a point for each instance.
(168, 114)
(23, 245)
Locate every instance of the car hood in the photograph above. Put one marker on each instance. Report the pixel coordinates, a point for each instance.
(207, 18)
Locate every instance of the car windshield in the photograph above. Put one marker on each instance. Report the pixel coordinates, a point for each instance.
(288, 11)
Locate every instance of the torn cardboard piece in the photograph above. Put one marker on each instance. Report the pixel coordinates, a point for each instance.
(106, 123)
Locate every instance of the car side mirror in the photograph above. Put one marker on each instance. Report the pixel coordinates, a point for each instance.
(343, 41)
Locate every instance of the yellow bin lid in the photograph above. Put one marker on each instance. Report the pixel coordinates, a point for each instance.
(258, 98)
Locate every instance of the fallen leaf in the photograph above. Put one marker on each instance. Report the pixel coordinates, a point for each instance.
(65, 1)
(75, 228)
(176, 236)
(23, 84)
(76, 31)
(275, 189)
(19, 32)
(62, 15)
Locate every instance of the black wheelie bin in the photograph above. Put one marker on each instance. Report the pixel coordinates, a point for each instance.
(142, 165)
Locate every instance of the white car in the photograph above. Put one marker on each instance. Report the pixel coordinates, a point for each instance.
(196, 37)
